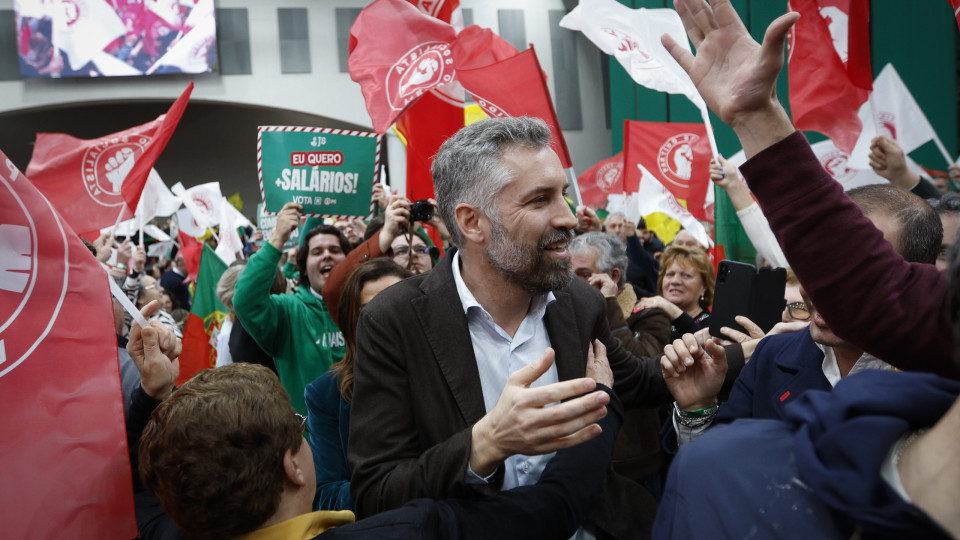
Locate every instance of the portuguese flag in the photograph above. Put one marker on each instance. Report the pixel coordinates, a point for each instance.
(206, 316)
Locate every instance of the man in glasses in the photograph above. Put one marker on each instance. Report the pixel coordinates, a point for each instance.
(782, 367)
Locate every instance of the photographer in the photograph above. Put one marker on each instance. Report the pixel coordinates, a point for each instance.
(384, 243)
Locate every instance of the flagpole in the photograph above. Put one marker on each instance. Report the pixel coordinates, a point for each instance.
(140, 226)
(705, 114)
(943, 150)
(116, 224)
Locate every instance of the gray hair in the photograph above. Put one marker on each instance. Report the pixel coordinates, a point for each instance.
(226, 285)
(469, 169)
(610, 251)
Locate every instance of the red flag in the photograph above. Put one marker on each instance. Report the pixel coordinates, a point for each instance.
(829, 67)
(955, 4)
(512, 87)
(426, 125)
(433, 118)
(191, 250)
(65, 465)
(479, 47)
(678, 155)
(445, 10)
(90, 180)
(206, 315)
(397, 54)
(599, 181)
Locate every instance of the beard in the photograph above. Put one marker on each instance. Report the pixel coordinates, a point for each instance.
(526, 265)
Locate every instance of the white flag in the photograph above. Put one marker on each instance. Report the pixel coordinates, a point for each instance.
(155, 232)
(187, 224)
(228, 243)
(111, 66)
(652, 197)
(159, 249)
(892, 111)
(156, 199)
(838, 164)
(82, 28)
(168, 10)
(203, 203)
(632, 36)
(199, 12)
(189, 54)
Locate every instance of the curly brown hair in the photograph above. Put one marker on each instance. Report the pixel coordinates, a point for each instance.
(213, 451)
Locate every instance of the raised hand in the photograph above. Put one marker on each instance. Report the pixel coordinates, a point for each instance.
(155, 351)
(736, 76)
(288, 219)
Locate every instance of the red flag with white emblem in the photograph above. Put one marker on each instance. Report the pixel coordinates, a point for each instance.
(433, 118)
(92, 181)
(526, 94)
(676, 154)
(600, 181)
(829, 67)
(955, 4)
(397, 54)
(65, 464)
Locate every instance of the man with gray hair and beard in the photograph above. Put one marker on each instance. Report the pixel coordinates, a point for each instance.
(456, 368)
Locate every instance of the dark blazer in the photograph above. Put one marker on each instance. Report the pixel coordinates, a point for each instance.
(781, 369)
(172, 282)
(417, 394)
(568, 483)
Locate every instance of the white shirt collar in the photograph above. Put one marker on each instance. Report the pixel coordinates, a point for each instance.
(537, 307)
(831, 369)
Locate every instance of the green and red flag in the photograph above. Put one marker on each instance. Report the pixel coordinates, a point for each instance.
(206, 316)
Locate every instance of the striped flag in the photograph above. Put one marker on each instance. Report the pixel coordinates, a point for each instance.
(206, 315)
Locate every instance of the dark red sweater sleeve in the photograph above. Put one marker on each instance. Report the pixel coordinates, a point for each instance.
(864, 289)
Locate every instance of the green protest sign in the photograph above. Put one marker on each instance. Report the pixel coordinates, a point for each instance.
(328, 171)
(266, 222)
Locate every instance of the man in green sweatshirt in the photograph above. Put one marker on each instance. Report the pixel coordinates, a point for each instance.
(295, 329)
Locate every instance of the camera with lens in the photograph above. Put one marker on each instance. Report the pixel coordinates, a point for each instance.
(421, 210)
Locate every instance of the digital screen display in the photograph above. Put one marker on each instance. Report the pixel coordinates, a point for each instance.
(115, 38)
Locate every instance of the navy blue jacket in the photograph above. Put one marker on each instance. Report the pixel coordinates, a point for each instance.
(328, 424)
(781, 369)
(814, 475)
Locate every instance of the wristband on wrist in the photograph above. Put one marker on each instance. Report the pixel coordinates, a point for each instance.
(697, 413)
(697, 418)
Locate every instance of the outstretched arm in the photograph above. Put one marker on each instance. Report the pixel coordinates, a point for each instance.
(736, 76)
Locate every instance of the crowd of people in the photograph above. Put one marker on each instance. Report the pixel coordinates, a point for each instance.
(528, 371)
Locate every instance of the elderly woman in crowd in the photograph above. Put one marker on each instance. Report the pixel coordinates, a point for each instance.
(685, 285)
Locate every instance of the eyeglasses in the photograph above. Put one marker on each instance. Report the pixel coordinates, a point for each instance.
(404, 251)
(798, 310)
(303, 421)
